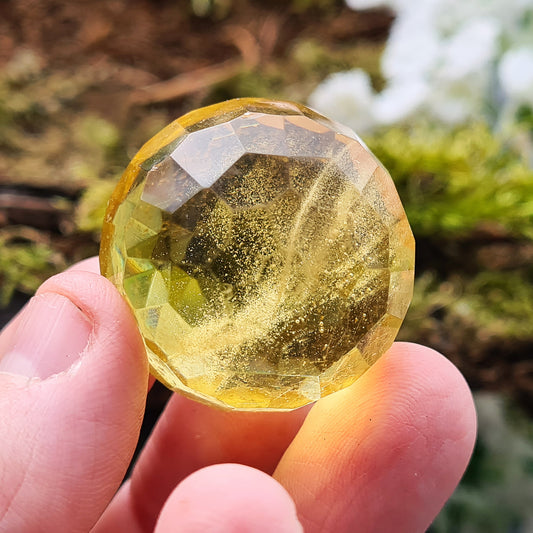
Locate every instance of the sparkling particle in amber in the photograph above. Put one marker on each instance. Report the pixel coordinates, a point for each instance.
(265, 254)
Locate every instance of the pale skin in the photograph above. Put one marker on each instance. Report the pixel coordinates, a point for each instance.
(381, 456)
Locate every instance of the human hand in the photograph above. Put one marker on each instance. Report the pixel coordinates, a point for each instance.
(380, 456)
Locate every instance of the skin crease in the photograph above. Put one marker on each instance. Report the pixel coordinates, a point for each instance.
(382, 455)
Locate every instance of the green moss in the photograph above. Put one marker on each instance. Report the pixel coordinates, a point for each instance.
(312, 60)
(217, 9)
(300, 6)
(502, 303)
(24, 266)
(49, 143)
(97, 133)
(90, 211)
(486, 306)
(453, 182)
(265, 82)
(45, 140)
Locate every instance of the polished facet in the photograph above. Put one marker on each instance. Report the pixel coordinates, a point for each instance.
(265, 254)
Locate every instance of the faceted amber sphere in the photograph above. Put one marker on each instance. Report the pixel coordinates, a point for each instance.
(264, 252)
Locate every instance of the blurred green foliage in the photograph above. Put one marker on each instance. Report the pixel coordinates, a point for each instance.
(90, 210)
(454, 181)
(50, 143)
(23, 266)
(487, 306)
(304, 5)
(217, 9)
(45, 138)
(464, 185)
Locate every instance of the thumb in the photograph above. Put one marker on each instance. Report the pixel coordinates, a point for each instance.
(73, 382)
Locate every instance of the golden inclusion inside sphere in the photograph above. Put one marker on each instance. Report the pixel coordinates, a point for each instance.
(265, 254)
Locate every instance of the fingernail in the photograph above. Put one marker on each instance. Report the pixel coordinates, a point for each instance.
(47, 338)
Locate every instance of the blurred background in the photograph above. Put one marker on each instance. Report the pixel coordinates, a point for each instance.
(441, 91)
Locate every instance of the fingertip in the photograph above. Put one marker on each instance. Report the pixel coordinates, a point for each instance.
(228, 498)
(386, 453)
(430, 375)
(113, 320)
(70, 435)
(91, 292)
(91, 264)
(205, 436)
(115, 344)
(412, 383)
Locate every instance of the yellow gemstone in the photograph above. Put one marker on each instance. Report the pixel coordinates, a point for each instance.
(265, 254)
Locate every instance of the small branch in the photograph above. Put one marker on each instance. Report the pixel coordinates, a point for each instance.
(202, 78)
(186, 83)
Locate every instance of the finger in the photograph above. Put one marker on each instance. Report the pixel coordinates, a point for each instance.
(91, 264)
(229, 498)
(386, 453)
(73, 378)
(188, 437)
